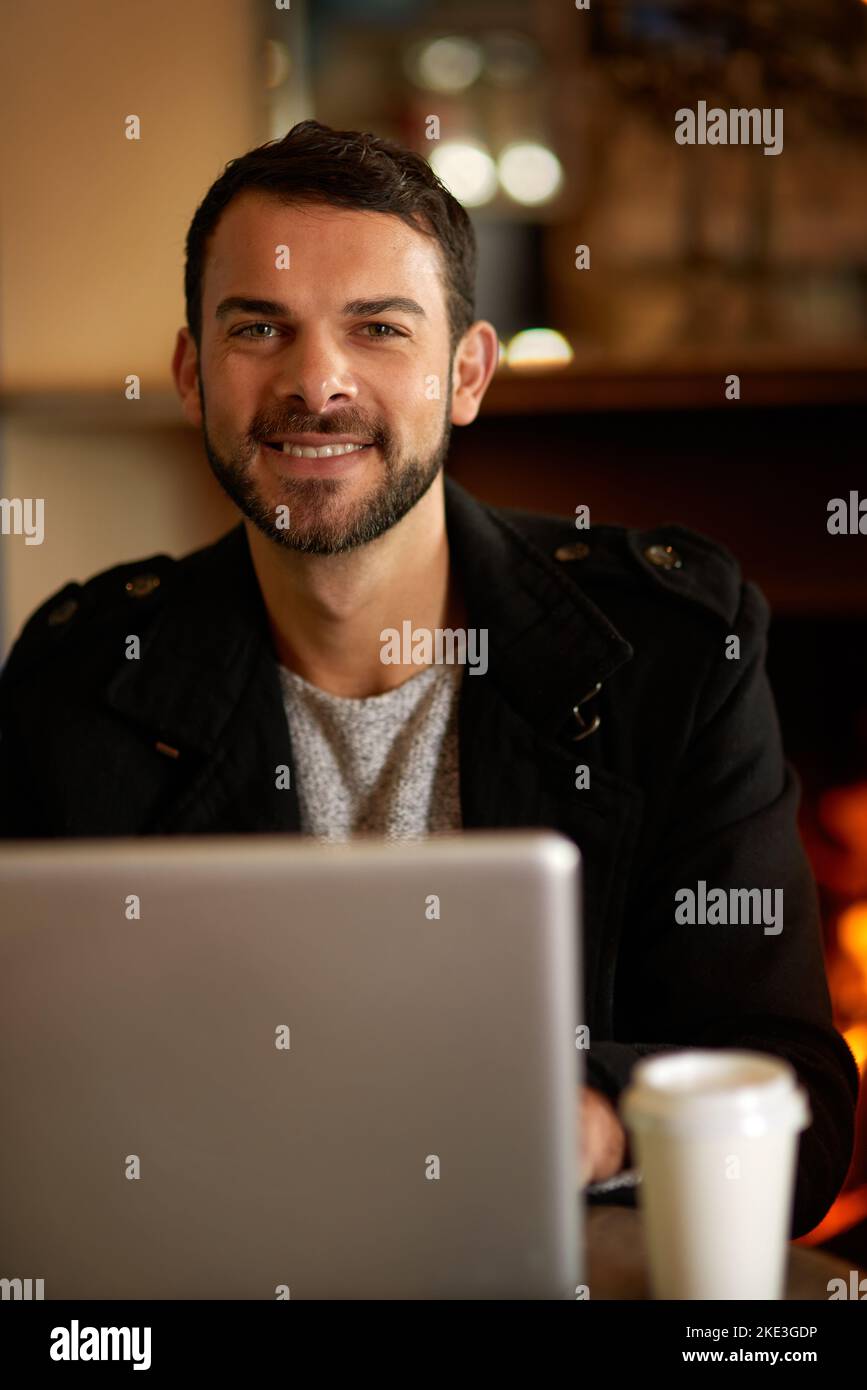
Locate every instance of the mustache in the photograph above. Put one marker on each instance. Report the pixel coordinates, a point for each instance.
(310, 424)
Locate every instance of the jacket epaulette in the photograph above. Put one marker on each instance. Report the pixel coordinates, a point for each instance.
(680, 561)
(690, 565)
(138, 587)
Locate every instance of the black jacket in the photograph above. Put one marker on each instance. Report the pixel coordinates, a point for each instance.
(687, 777)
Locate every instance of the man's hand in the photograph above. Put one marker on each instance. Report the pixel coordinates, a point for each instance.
(603, 1142)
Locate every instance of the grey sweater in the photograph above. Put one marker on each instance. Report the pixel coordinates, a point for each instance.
(384, 765)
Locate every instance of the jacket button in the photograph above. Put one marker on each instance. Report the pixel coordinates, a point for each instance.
(664, 557)
(62, 612)
(579, 550)
(142, 584)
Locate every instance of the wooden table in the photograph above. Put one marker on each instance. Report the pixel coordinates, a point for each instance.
(617, 1267)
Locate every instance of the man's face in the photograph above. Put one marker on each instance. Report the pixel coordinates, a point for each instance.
(329, 358)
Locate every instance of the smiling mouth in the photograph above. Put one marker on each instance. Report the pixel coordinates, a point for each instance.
(307, 451)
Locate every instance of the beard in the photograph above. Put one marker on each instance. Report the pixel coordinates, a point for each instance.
(319, 523)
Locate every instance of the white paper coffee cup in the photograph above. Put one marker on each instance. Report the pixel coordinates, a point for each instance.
(715, 1135)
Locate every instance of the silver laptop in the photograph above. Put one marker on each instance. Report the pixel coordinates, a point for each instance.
(240, 1068)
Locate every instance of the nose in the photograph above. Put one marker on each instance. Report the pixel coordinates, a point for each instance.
(313, 370)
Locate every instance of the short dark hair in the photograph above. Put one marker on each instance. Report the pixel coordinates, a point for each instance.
(347, 168)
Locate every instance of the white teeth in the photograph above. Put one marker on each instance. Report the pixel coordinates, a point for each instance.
(327, 451)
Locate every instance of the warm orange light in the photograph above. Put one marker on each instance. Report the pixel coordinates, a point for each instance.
(845, 810)
(856, 1037)
(841, 865)
(840, 855)
(852, 935)
(849, 1209)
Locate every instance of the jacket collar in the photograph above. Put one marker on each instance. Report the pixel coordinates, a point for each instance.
(200, 652)
(548, 644)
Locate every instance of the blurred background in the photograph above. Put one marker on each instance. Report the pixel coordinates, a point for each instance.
(555, 127)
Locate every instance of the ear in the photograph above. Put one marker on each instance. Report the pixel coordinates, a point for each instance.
(185, 370)
(474, 365)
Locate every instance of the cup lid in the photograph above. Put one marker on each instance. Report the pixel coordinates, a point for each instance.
(713, 1091)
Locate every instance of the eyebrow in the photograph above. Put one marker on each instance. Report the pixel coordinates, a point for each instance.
(355, 308)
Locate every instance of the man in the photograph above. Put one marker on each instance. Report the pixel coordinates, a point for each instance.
(331, 345)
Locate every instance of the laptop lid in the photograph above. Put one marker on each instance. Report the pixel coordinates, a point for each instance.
(246, 1067)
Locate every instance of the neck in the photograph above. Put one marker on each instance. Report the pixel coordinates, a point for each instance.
(326, 612)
